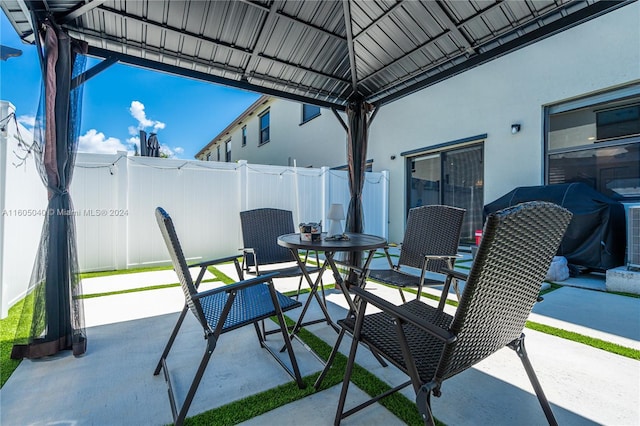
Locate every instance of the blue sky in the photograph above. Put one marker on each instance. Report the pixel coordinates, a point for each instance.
(186, 114)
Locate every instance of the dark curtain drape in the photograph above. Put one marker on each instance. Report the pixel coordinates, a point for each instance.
(52, 317)
(357, 138)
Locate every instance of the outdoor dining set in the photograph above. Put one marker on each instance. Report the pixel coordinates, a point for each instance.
(423, 341)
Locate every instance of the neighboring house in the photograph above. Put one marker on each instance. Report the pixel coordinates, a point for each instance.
(564, 109)
(281, 132)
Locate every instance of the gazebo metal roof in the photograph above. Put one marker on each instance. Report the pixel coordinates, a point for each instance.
(318, 52)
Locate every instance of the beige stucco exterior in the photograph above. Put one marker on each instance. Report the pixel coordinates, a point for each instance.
(318, 142)
(596, 56)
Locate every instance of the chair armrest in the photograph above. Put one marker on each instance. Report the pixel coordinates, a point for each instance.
(455, 274)
(440, 256)
(236, 286)
(398, 312)
(214, 261)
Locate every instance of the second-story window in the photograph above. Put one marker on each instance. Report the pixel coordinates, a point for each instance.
(264, 128)
(309, 112)
(218, 148)
(244, 135)
(208, 156)
(227, 145)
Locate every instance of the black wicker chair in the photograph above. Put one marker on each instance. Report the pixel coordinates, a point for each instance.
(430, 243)
(260, 231)
(431, 346)
(221, 310)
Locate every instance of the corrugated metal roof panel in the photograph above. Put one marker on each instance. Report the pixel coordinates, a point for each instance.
(300, 48)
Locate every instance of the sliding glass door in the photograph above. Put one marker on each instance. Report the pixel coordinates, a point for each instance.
(453, 177)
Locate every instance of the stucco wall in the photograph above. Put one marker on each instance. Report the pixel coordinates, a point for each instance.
(317, 143)
(597, 55)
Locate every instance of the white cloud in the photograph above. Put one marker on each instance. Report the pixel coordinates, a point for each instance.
(167, 151)
(27, 120)
(178, 150)
(95, 142)
(137, 111)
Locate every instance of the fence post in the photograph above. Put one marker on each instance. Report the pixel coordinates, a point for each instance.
(5, 110)
(385, 202)
(121, 169)
(243, 180)
(326, 192)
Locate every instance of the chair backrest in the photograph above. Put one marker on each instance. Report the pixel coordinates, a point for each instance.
(434, 230)
(179, 263)
(260, 231)
(518, 244)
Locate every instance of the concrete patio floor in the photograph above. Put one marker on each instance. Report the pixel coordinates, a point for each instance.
(113, 384)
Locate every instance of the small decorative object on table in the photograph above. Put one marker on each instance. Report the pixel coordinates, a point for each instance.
(339, 237)
(335, 216)
(310, 231)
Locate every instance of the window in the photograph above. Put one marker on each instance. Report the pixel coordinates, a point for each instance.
(244, 135)
(452, 176)
(596, 140)
(264, 128)
(208, 156)
(227, 146)
(309, 112)
(218, 149)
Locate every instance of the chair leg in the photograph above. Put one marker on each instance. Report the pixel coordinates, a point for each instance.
(179, 418)
(518, 346)
(350, 362)
(423, 401)
(347, 378)
(402, 295)
(174, 333)
(289, 347)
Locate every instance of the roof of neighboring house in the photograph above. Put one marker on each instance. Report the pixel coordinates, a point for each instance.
(236, 122)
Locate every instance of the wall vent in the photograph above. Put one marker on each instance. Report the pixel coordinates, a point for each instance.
(633, 238)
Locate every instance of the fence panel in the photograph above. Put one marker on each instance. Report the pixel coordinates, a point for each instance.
(23, 204)
(116, 196)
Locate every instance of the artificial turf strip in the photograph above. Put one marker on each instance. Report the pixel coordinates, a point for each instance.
(123, 271)
(129, 290)
(585, 340)
(8, 328)
(255, 405)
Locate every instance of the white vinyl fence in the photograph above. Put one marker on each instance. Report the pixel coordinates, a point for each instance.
(115, 197)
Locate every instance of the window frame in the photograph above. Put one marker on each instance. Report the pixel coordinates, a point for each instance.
(265, 113)
(227, 149)
(303, 118)
(243, 133)
(603, 100)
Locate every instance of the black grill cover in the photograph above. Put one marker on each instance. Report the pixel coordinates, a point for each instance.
(595, 238)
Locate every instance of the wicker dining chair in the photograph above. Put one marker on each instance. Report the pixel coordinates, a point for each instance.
(430, 243)
(260, 231)
(221, 310)
(431, 346)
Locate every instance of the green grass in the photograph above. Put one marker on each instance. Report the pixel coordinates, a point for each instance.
(123, 271)
(585, 340)
(8, 329)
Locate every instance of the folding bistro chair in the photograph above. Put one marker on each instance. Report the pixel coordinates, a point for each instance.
(431, 346)
(221, 310)
(430, 243)
(260, 231)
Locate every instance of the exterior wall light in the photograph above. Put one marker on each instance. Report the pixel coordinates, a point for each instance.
(515, 128)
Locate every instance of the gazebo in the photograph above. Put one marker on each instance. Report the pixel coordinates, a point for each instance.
(352, 56)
